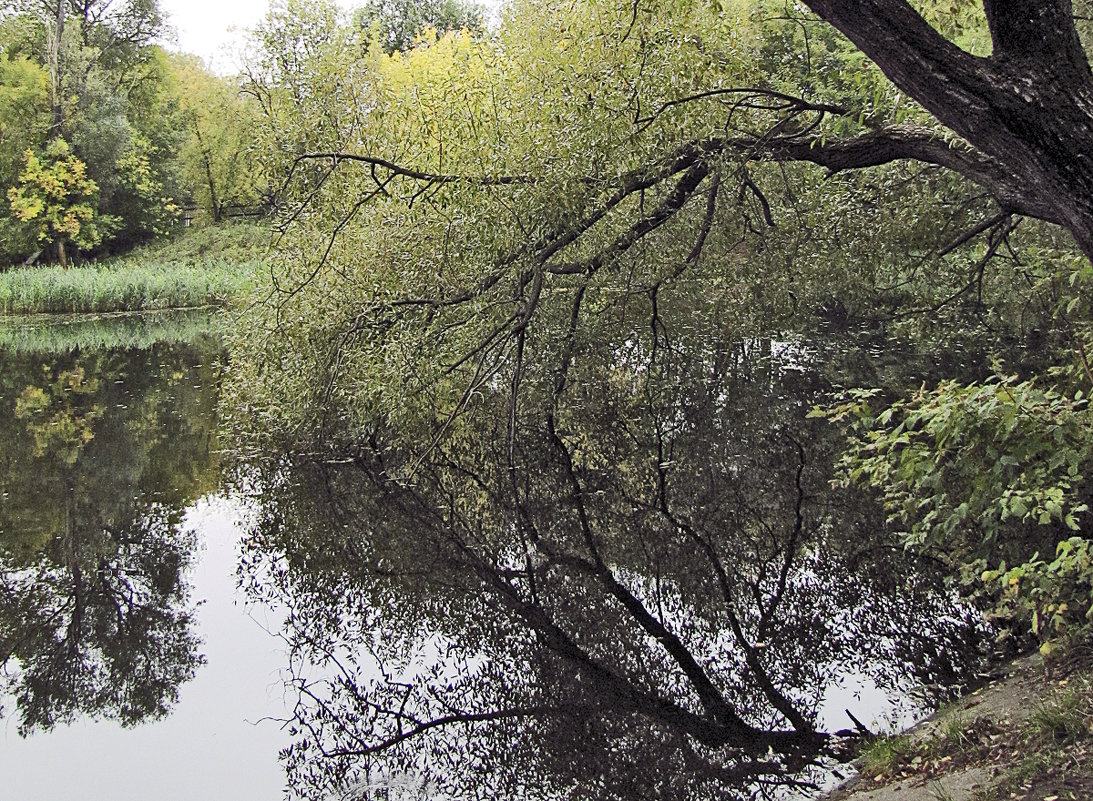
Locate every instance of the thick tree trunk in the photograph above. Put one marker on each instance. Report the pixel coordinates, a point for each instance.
(1028, 107)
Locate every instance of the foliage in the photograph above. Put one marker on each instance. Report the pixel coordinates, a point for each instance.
(56, 200)
(304, 74)
(958, 464)
(129, 139)
(1054, 598)
(148, 207)
(972, 470)
(397, 24)
(218, 159)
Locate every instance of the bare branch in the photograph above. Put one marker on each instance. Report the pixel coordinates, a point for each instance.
(415, 174)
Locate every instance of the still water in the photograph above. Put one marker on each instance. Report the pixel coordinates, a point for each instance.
(178, 625)
(134, 669)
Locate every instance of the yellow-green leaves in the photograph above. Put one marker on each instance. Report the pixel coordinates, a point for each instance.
(218, 157)
(56, 198)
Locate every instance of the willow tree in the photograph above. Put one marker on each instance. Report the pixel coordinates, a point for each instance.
(488, 230)
(609, 146)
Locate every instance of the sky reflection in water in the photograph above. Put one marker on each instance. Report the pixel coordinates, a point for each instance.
(111, 456)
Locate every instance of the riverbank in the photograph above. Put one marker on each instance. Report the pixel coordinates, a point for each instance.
(204, 267)
(1027, 735)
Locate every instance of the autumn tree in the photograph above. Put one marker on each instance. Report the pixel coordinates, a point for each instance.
(56, 200)
(106, 81)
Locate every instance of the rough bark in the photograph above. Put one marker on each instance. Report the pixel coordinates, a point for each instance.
(1027, 108)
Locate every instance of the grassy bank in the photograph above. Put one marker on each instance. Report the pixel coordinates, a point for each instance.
(1027, 736)
(207, 267)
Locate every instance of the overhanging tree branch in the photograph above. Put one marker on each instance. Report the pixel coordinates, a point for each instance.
(909, 143)
(1028, 107)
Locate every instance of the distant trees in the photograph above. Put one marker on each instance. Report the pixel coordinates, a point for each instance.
(151, 132)
(106, 106)
(218, 160)
(157, 132)
(396, 24)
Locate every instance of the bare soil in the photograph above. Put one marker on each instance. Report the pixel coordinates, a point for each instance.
(1027, 735)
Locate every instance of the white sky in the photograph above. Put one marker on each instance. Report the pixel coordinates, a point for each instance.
(213, 29)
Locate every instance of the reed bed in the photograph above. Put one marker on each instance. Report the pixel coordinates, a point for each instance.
(123, 287)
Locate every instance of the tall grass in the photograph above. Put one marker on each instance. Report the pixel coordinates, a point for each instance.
(207, 267)
(129, 287)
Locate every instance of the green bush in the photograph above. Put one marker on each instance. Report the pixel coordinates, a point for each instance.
(982, 473)
(1055, 599)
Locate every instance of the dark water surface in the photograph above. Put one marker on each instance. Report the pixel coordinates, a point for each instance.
(504, 625)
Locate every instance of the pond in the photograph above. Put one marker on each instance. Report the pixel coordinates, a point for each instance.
(133, 668)
(175, 623)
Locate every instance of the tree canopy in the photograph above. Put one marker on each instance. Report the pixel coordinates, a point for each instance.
(488, 241)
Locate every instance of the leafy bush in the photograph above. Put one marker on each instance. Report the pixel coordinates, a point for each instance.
(1055, 598)
(981, 472)
(985, 459)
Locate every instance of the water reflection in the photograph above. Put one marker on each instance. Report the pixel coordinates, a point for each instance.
(640, 585)
(102, 451)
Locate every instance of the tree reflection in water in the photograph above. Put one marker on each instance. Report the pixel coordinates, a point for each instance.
(639, 586)
(101, 453)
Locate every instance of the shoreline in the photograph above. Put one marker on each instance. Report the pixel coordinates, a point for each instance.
(1024, 735)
